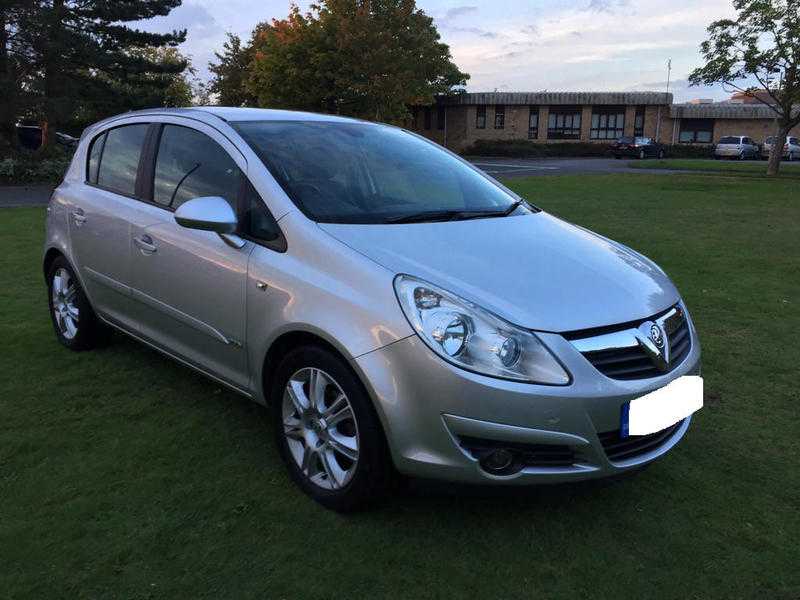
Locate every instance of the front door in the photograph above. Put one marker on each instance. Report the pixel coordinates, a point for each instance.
(189, 285)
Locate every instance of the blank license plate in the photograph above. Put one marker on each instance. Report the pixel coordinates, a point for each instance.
(663, 407)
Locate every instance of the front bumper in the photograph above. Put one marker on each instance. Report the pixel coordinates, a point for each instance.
(429, 407)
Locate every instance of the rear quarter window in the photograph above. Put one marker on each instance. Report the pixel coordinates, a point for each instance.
(93, 163)
(119, 161)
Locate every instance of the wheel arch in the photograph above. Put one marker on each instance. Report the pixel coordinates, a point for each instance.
(49, 258)
(296, 338)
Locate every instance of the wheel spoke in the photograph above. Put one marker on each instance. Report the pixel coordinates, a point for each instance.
(308, 460)
(72, 311)
(346, 446)
(338, 404)
(69, 296)
(298, 397)
(70, 325)
(58, 284)
(343, 414)
(293, 429)
(316, 388)
(336, 475)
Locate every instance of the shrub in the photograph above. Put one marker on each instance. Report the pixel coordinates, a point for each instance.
(35, 167)
(527, 149)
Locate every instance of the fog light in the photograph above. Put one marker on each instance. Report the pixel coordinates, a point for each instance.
(497, 460)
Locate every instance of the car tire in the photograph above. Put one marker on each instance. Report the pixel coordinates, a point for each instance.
(75, 323)
(334, 447)
(660, 154)
(741, 155)
(641, 155)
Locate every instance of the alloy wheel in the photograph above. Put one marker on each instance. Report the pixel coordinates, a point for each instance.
(65, 310)
(320, 428)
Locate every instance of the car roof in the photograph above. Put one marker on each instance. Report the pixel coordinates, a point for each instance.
(235, 114)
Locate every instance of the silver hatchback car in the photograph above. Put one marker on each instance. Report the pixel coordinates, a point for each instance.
(398, 309)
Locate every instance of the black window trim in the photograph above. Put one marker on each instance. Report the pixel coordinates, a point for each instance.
(594, 132)
(500, 111)
(564, 110)
(480, 111)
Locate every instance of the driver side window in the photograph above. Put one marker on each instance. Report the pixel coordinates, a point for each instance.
(189, 165)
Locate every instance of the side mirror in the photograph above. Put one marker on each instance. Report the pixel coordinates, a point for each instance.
(209, 213)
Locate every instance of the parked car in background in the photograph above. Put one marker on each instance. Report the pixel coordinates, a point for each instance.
(791, 149)
(340, 272)
(738, 147)
(637, 147)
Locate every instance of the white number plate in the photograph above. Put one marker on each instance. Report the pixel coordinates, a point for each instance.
(663, 407)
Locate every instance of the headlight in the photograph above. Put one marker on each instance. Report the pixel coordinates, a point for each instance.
(473, 338)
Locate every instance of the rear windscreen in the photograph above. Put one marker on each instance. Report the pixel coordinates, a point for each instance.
(729, 140)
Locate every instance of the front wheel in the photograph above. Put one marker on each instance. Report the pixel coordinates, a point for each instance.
(660, 154)
(641, 155)
(75, 324)
(327, 431)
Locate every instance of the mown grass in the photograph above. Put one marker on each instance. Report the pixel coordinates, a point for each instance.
(719, 167)
(123, 475)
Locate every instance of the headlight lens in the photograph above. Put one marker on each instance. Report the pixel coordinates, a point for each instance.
(473, 338)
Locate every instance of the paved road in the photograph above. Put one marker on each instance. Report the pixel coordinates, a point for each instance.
(24, 195)
(519, 167)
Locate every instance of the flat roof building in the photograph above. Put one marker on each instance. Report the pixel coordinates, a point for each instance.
(460, 120)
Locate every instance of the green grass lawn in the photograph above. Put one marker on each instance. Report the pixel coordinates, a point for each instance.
(718, 167)
(124, 475)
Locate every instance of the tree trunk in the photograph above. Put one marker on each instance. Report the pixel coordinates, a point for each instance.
(53, 79)
(781, 131)
(8, 127)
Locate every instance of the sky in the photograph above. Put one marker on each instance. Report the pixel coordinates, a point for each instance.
(516, 45)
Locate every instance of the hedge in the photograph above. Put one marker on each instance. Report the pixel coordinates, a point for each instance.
(526, 149)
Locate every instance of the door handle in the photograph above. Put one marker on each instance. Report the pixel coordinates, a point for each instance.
(145, 244)
(79, 217)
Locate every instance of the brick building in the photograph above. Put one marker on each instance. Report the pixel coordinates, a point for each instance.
(554, 117)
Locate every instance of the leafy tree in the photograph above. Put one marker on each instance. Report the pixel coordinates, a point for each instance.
(229, 74)
(88, 62)
(761, 45)
(366, 58)
(15, 66)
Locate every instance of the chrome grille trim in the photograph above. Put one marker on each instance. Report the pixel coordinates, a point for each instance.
(625, 354)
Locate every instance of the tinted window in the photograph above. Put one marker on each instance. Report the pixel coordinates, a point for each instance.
(94, 158)
(190, 165)
(365, 173)
(729, 140)
(626, 140)
(257, 221)
(120, 158)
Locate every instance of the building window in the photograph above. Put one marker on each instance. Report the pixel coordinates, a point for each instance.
(440, 118)
(480, 118)
(697, 131)
(607, 123)
(499, 116)
(533, 123)
(427, 117)
(564, 124)
(638, 122)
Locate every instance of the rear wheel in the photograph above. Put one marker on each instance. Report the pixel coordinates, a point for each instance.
(327, 431)
(660, 154)
(641, 154)
(75, 324)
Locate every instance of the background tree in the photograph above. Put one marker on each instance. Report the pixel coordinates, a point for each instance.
(365, 58)
(230, 72)
(761, 45)
(86, 62)
(15, 66)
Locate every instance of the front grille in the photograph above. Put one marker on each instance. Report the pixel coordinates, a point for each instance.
(525, 455)
(628, 359)
(618, 448)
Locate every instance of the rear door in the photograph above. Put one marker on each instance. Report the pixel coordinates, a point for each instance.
(99, 219)
(189, 285)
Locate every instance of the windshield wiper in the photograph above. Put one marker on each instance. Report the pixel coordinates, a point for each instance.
(454, 215)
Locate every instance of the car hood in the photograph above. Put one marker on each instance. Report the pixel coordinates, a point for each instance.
(534, 270)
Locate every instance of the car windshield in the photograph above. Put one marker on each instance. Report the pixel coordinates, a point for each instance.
(729, 140)
(339, 172)
(625, 140)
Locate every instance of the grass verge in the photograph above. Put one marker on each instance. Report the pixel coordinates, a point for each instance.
(719, 167)
(124, 475)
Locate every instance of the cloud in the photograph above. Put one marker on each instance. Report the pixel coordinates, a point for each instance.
(476, 31)
(459, 11)
(605, 5)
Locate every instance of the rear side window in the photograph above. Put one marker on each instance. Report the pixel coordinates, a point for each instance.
(119, 159)
(190, 165)
(94, 158)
